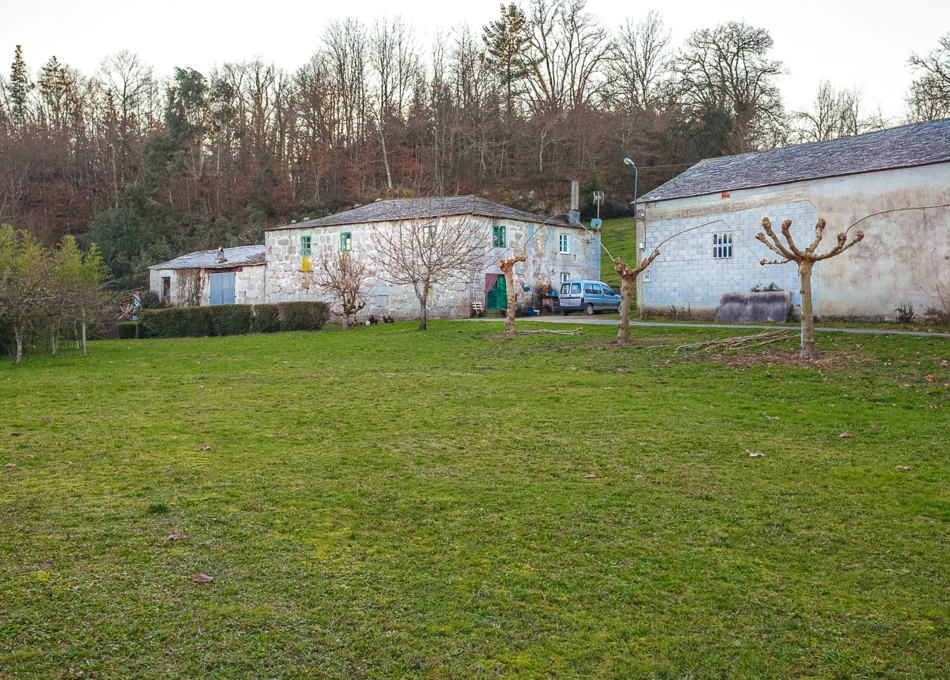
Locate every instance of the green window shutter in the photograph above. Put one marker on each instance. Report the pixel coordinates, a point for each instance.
(499, 237)
(346, 242)
(305, 250)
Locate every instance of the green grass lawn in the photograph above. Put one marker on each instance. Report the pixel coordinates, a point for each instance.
(387, 503)
(620, 238)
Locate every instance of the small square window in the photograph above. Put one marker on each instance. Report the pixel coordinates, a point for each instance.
(346, 241)
(499, 236)
(305, 246)
(565, 277)
(564, 244)
(722, 246)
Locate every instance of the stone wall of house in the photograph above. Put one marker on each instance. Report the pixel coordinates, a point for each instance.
(249, 282)
(904, 258)
(287, 282)
(689, 277)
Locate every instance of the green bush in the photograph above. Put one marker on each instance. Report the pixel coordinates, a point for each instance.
(230, 319)
(266, 319)
(303, 316)
(128, 330)
(176, 322)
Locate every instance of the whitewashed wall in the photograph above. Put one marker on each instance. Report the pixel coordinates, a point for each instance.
(286, 282)
(249, 284)
(902, 256)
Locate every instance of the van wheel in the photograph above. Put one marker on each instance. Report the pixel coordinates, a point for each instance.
(589, 309)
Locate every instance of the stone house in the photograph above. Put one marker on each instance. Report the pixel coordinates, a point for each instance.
(211, 277)
(891, 176)
(556, 250)
(281, 270)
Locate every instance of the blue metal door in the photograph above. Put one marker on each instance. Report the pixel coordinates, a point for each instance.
(222, 288)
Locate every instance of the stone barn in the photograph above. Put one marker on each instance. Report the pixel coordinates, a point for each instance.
(557, 249)
(896, 182)
(211, 277)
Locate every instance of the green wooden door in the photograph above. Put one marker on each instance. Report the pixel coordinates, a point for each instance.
(498, 296)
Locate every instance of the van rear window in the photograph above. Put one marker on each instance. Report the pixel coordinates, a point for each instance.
(565, 288)
(576, 288)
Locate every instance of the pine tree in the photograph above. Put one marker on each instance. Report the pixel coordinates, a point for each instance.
(506, 41)
(20, 87)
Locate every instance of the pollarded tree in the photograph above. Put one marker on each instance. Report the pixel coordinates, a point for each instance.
(805, 259)
(507, 267)
(344, 278)
(425, 252)
(628, 278)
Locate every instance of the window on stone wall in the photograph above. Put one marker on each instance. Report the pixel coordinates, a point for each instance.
(722, 246)
(564, 243)
(305, 245)
(499, 236)
(428, 234)
(346, 241)
(565, 276)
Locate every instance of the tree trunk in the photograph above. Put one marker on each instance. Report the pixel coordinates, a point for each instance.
(19, 346)
(623, 326)
(809, 351)
(512, 303)
(52, 341)
(346, 321)
(84, 332)
(423, 309)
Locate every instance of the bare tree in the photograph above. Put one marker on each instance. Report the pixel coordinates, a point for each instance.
(929, 96)
(628, 279)
(507, 267)
(835, 114)
(424, 252)
(344, 277)
(639, 64)
(805, 259)
(728, 69)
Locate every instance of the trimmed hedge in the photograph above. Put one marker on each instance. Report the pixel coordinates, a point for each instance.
(176, 322)
(128, 330)
(230, 319)
(303, 316)
(191, 322)
(266, 319)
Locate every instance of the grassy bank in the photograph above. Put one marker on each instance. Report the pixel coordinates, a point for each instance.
(389, 503)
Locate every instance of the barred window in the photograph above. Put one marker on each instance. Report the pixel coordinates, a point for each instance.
(722, 246)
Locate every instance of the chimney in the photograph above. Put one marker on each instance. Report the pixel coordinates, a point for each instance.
(220, 257)
(574, 216)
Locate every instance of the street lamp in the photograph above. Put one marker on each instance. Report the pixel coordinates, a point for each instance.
(636, 182)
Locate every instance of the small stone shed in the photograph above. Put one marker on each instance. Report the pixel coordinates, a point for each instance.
(556, 250)
(212, 277)
(904, 258)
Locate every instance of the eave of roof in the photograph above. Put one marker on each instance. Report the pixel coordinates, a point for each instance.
(902, 147)
(424, 208)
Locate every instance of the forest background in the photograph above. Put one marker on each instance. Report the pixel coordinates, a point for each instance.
(149, 165)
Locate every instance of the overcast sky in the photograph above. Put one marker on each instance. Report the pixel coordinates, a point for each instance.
(846, 41)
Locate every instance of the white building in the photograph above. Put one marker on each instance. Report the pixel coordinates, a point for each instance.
(281, 269)
(211, 277)
(904, 258)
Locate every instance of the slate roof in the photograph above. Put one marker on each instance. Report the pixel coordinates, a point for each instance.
(242, 256)
(424, 208)
(901, 147)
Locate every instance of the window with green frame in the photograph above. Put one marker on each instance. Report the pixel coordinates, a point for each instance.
(499, 236)
(428, 234)
(346, 241)
(305, 244)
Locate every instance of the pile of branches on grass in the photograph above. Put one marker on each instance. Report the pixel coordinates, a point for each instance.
(742, 341)
(576, 331)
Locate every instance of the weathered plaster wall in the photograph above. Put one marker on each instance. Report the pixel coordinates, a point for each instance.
(249, 282)
(286, 282)
(903, 253)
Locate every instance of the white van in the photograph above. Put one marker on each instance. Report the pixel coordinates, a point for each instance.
(587, 296)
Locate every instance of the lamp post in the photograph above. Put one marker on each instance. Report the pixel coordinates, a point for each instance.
(636, 183)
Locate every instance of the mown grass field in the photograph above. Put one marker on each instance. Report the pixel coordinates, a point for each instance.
(620, 238)
(386, 503)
